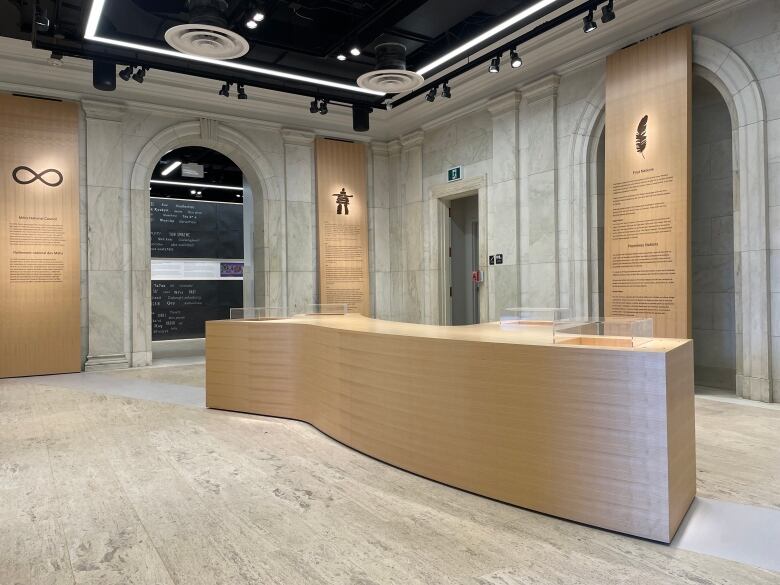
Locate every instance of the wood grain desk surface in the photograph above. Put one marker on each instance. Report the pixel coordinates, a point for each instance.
(599, 435)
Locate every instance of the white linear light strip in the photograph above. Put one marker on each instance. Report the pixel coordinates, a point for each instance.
(170, 168)
(523, 14)
(91, 35)
(201, 185)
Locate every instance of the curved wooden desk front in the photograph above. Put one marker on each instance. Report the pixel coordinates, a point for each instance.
(599, 435)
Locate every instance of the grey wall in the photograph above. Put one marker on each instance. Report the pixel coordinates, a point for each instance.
(713, 285)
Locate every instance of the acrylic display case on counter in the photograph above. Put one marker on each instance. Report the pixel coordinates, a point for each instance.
(537, 320)
(258, 313)
(604, 331)
(326, 309)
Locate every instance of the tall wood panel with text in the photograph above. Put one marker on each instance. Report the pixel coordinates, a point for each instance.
(39, 237)
(342, 224)
(647, 237)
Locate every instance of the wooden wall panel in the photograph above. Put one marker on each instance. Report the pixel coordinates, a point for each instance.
(343, 237)
(600, 435)
(39, 237)
(647, 237)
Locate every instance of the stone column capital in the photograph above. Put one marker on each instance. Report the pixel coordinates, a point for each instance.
(99, 110)
(504, 103)
(412, 139)
(298, 137)
(543, 88)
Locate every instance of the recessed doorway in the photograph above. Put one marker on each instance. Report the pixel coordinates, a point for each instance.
(464, 260)
(198, 247)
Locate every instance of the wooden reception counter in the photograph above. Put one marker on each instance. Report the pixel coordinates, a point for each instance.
(597, 434)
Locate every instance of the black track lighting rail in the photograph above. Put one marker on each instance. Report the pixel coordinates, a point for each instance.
(88, 50)
(538, 30)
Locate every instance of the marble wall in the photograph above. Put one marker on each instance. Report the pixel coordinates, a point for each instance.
(120, 147)
(537, 149)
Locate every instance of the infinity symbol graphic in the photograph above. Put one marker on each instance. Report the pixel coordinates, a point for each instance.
(37, 176)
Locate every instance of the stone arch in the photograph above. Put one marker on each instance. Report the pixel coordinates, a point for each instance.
(740, 89)
(207, 133)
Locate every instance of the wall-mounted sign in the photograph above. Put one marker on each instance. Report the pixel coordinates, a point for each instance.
(647, 237)
(25, 175)
(40, 329)
(343, 232)
(455, 174)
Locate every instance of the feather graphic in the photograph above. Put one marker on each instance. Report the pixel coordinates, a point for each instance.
(641, 136)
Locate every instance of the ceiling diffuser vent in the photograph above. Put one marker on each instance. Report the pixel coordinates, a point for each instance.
(207, 34)
(390, 74)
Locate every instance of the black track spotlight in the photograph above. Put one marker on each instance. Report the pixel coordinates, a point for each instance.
(314, 106)
(514, 59)
(126, 73)
(104, 75)
(608, 12)
(241, 93)
(140, 74)
(431, 95)
(224, 91)
(495, 64)
(324, 107)
(360, 118)
(588, 24)
(445, 91)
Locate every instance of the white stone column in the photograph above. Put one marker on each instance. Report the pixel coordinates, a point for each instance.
(502, 200)
(395, 213)
(299, 214)
(107, 257)
(538, 205)
(412, 228)
(379, 230)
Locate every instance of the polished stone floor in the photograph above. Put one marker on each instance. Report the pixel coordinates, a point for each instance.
(123, 478)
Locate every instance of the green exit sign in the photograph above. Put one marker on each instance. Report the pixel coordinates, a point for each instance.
(455, 174)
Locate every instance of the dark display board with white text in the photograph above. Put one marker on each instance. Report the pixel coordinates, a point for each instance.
(184, 232)
(196, 229)
(182, 307)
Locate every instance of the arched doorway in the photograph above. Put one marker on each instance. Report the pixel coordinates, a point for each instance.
(199, 246)
(713, 284)
(741, 92)
(257, 172)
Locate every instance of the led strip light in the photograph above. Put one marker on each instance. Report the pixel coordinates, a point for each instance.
(522, 15)
(201, 185)
(91, 35)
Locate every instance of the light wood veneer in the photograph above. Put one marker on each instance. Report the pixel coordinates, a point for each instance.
(599, 435)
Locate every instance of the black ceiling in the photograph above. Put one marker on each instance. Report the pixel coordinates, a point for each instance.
(297, 36)
(218, 170)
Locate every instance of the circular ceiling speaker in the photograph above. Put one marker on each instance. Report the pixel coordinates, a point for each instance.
(390, 74)
(391, 80)
(208, 41)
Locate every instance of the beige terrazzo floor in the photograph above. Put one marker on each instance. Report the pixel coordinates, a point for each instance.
(103, 489)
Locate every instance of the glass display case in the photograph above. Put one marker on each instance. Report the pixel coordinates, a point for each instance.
(528, 316)
(533, 321)
(258, 313)
(604, 331)
(326, 309)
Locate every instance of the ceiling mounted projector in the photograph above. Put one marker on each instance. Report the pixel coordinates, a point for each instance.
(390, 74)
(207, 34)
